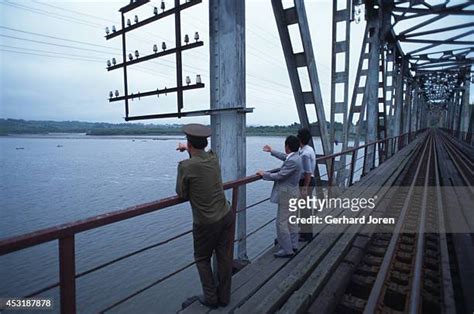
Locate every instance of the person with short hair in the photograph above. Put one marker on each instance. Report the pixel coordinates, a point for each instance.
(285, 187)
(199, 181)
(307, 181)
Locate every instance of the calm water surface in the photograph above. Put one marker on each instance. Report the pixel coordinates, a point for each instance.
(66, 178)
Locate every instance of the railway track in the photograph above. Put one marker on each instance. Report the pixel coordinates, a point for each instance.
(407, 267)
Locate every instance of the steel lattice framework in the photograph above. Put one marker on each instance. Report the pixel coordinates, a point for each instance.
(397, 88)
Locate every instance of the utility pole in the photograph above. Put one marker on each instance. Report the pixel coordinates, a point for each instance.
(227, 79)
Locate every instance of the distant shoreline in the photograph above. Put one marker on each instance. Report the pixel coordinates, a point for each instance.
(19, 127)
(112, 136)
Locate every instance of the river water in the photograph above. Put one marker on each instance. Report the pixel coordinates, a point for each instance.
(48, 180)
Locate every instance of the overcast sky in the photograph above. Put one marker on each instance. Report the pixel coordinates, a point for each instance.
(55, 78)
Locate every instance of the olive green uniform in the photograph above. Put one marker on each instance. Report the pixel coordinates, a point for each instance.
(199, 180)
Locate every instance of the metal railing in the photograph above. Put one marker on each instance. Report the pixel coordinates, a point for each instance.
(65, 233)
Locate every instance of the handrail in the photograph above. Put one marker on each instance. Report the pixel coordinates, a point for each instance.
(65, 233)
(16, 243)
(350, 150)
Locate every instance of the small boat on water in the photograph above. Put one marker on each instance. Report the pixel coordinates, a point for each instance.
(59, 145)
(19, 148)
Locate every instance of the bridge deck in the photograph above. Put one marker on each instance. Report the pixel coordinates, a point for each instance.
(317, 275)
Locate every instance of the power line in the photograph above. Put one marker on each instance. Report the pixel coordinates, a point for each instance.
(75, 20)
(46, 13)
(58, 38)
(45, 55)
(76, 12)
(52, 44)
(51, 52)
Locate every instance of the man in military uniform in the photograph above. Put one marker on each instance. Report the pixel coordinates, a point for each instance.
(199, 181)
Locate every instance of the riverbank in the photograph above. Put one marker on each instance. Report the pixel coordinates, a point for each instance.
(16, 127)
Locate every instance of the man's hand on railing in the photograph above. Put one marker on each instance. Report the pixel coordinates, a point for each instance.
(267, 148)
(260, 173)
(182, 147)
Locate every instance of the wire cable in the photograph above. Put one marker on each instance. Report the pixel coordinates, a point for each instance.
(52, 44)
(58, 38)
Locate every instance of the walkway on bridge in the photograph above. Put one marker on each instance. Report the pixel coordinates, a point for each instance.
(427, 187)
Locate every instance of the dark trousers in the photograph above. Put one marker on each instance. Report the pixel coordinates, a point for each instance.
(209, 238)
(306, 231)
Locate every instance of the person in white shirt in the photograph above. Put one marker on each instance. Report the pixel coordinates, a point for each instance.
(307, 181)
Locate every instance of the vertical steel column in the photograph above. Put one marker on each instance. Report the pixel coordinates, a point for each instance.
(470, 129)
(179, 64)
(124, 60)
(459, 111)
(414, 107)
(407, 108)
(372, 90)
(227, 80)
(466, 108)
(451, 105)
(424, 103)
(454, 108)
(399, 87)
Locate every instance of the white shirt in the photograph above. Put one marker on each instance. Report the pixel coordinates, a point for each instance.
(308, 159)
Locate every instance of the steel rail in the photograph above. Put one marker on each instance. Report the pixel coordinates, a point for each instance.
(373, 300)
(452, 154)
(415, 289)
(447, 280)
(464, 157)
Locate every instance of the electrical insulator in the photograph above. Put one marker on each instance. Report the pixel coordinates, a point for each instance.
(186, 39)
(136, 54)
(107, 30)
(128, 22)
(108, 63)
(155, 48)
(162, 5)
(163, 46)
(188, 80)
(358, 13)
(196, 36)
(198, 79)
(130, 57)
(111, 94)
(113, 29)
(136, 19)
(114, 61)
(155, 10)
(116, 93)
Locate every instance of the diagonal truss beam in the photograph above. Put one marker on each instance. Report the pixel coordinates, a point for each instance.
(441, 42)
(428, 22)
(439, 30)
